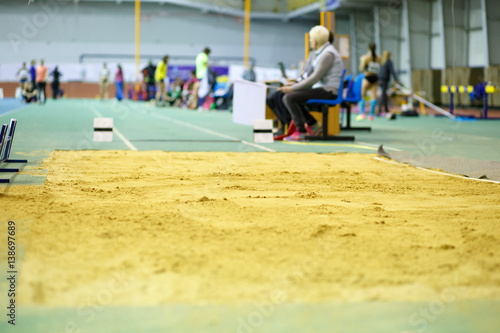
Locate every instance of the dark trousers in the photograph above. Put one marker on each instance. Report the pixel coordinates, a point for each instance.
(295, 102)
(384, 85)
(275, 103)
(150, 87)
(55, 89)
(41, 91)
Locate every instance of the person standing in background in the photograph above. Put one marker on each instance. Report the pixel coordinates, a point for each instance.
(384, 76)
(160, 75)
(33, 72)
(249, 74)
(104, 82)
(149, 79)
(202, 63)
(370, 65)
(119, 83)
(22, 74)
(41, 81)
(56, 75)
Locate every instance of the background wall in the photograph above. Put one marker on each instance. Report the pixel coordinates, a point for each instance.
(61, 32)
(364, 33)
(437, 60)
(493, 23)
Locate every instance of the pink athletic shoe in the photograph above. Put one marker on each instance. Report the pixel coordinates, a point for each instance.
(296, 136)
(315, 130)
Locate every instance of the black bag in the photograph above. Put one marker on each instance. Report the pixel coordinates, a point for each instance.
(410, 113)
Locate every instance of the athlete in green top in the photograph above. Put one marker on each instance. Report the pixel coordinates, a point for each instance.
(202, 63)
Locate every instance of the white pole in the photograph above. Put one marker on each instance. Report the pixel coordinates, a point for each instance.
(426, 102)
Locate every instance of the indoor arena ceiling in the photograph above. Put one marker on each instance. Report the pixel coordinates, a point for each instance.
(261, 9)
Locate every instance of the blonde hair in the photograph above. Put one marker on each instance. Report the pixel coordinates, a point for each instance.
(319, 34)
(386, 55)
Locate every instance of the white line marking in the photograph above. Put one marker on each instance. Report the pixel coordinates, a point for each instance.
(115, 130)
(442, 173)
(13, 111)
(211, 132)
(372, 145)
(391, 162)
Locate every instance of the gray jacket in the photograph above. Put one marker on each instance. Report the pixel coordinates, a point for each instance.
(328, 68)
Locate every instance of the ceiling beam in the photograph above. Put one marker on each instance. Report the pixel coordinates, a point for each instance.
(226, 10)
(304, 10)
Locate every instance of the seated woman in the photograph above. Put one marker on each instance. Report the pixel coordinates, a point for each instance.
(175, 96)
(322, 83)
(190, 92)
(275, 99)
(29, 92)
(370, 64)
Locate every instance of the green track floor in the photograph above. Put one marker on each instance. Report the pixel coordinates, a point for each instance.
(68, 125)
(369, 317)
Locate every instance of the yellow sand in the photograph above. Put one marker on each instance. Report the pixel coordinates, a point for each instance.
(158, 227)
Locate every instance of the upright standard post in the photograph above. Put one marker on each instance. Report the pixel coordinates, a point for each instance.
(248, 4)
(451, 99)
(485, 97)
(307, 45)
(137, 43)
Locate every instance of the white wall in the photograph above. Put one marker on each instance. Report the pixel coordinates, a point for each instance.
(364, 32)
(437, 51)
(493, 17)
(390, 32)
(405, 55)
(342, 25)
(476, 40)
(420, 12)
(455, 33)
(63, 31)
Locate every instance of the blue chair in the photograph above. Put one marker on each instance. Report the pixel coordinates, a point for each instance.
(348, 80)
(353, 97)
(324, 106)
(354, 89)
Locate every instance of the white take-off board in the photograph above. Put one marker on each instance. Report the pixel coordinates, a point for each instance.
(263, 131)
(103, 129)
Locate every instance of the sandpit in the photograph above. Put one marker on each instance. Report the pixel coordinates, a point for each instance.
(226, 228)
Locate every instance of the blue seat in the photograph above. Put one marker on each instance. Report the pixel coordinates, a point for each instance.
(348, 82)
(354, 89)
(331, 102)
(348, 78)
(353, 96)
(324, 106)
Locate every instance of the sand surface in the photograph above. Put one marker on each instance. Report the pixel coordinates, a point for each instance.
(158, 227)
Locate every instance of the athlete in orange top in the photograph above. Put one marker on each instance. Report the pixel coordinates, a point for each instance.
(41, 81)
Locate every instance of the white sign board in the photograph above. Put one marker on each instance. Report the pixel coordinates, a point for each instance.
(249, 102)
